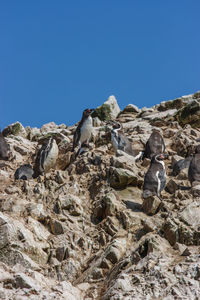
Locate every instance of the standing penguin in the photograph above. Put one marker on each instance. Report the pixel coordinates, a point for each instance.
(120, 142)
(84, 130)
(154, 145)
(4, 148)
(194, 168)
(24, 172)
(155, 178)
(46, 158)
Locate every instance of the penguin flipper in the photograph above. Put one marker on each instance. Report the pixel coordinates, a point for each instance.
(76, 138)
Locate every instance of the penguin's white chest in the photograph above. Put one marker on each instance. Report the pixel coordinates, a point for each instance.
(86, 130)
(51, 158)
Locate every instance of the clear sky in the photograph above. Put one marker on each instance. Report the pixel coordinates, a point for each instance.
(59, 57)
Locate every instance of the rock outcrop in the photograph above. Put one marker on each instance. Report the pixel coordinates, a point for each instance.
(83, 231)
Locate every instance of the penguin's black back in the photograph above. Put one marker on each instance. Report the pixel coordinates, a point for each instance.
(154, 145)
(194, 169)
(24, 172)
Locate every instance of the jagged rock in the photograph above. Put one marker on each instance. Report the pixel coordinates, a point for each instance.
(72, 203)
(123, 161)
(196, 190)
(48, 127)
(175, 158)
(184, 251)
(33, 134)
(160, 115)
(171, 233)
(110, 204)
(60, 253)
(183, 175)
(120, 178)
(107, 206)
(8, 232)
(151, 204)
(22, 281)
(190, 214)
(16, 129)
(56, 227)
(107, 111)
(189, 114)
(37, 211)
(115, 251)
(182, 144)
(171, 186)
(96, 122)
(176, 103)
(131, 108)
(168, 133)
(97, 273)
(71, 225)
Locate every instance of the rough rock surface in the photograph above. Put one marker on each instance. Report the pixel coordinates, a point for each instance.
(83, 231)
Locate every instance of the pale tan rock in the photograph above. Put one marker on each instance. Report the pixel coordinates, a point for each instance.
(72, 225)
(121, 178)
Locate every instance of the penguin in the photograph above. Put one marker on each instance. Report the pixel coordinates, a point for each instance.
(4, 147)
(154, 145)
(120, 142)
(24, 172)
(155, 178)
(180, 165)
(194, 167)
(83, 148)
(46, 158)
(84, 130)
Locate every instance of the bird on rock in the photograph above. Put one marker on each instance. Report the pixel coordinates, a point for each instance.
(154, 145)
(194, 167)
(84, 129)
(46, 157)
(4, 148)
(24, 172)
(120, 142)
(155, 178)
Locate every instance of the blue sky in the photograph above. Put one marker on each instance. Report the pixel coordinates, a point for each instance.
(59, 57)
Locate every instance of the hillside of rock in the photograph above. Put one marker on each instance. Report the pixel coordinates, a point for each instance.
(83, 231)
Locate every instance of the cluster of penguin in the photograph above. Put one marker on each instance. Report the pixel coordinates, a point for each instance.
(155, 177)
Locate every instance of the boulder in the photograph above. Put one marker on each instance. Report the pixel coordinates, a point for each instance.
(124, 161)
(189, 114)
(131, 108)
(151, 204)
(191, 214)
(171, 186)
(121, 178)
(107, 111)
(16, 129)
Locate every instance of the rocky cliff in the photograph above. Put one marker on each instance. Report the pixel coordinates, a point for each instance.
(83, 230)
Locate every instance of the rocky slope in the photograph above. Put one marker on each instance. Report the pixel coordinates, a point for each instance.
(83, 231)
